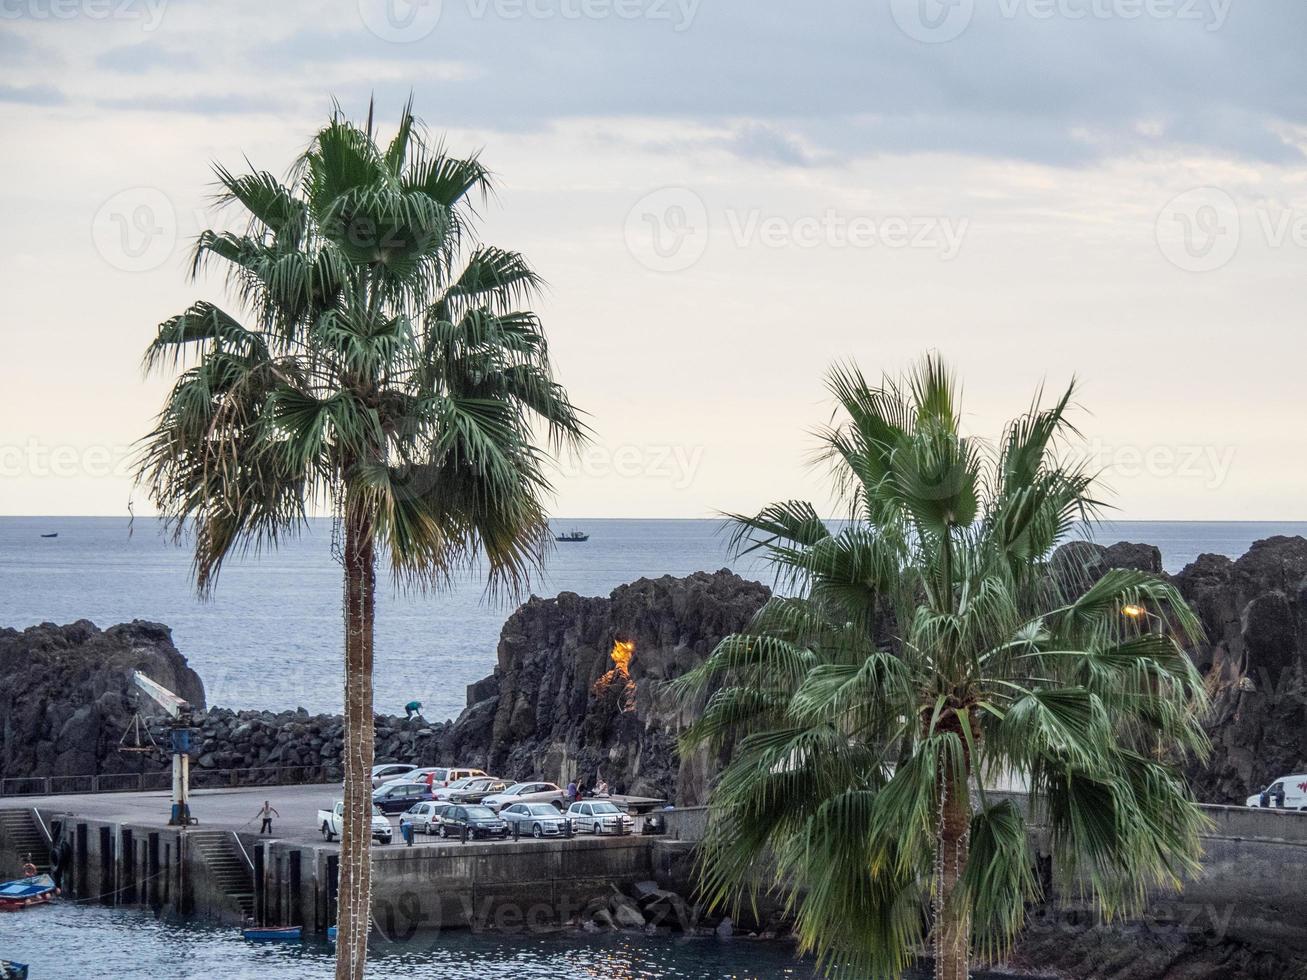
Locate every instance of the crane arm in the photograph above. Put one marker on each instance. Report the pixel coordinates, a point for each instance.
(171, 703)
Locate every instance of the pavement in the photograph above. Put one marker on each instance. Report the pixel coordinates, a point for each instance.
(216, 809)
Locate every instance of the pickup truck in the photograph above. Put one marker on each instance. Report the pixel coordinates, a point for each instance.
(329, 822)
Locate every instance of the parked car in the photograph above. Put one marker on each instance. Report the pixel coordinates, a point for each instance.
(479, 820)
(399, 796)
(388, 771)
(422, 775)
(527, 793)
(599, 817)
(536, 819)
(453, 774)
(425, 817)
(475, 790)
(1287, 792)
(329, 823)
(447, 792)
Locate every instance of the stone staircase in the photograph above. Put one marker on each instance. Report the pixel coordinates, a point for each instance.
(21, 835)
(227, 865)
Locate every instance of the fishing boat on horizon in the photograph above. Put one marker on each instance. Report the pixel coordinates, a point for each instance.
(52, 534)
(23, 893)
(573, 536)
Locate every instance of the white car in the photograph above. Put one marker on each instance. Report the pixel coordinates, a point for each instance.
(526, 793)
(536, 819)
(1293, 789)
(329, 822)
(387, 771)
(599, 817)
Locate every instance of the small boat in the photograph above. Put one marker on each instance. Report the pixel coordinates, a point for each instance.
(23, 892)
(54, 534)
(9, 970)
(573, 536)
(273, 934)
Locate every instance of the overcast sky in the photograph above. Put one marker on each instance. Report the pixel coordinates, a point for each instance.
(725, 198)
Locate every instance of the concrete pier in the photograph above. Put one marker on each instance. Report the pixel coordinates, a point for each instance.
(118, 849)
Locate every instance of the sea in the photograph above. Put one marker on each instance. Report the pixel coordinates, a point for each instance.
(270, 636)
(90, 942)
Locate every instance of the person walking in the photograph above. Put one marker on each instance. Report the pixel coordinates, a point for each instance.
(267, 812)
(571, 792)
(413, 709)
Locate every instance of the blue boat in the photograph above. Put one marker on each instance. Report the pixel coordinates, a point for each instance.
(9, 970)
(22, 892)
(273, 934)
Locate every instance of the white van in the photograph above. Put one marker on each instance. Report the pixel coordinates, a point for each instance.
(1294, 789)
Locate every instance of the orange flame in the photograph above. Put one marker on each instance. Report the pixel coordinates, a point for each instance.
(623, 650)
(620, 675)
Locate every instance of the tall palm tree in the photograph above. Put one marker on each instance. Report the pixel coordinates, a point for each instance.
(381, 364)
(927, 645)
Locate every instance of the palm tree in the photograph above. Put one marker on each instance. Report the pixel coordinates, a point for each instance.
(927, 645)
(381, 364)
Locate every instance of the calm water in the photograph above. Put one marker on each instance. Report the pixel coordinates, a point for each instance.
(90, 943)
(271, 637)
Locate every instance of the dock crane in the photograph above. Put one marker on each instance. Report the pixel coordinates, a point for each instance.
(179, 738)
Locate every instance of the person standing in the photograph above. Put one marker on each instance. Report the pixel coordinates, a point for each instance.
(267, 812)
(571, 791)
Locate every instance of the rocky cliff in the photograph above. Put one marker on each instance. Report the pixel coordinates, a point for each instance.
(580, 686)
(556, 707)
(558, 704)
(1254, 610)
(66, 694)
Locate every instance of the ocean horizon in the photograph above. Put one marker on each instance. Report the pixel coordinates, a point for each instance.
(270, 637)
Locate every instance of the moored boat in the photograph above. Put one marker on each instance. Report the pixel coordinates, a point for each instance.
(9, 970)
(272, 934)
(24, 892)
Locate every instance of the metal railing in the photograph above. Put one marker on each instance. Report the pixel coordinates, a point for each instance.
(139, 782)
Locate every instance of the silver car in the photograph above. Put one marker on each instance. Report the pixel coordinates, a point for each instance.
(526, 793)
(536, 819)
(387, 771)
(600, 817)
(425, 817)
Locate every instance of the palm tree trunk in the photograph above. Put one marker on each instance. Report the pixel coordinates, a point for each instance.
(354, 901)
(952, 916)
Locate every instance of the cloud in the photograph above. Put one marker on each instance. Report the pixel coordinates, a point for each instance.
(146, 56)
(32, 94)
